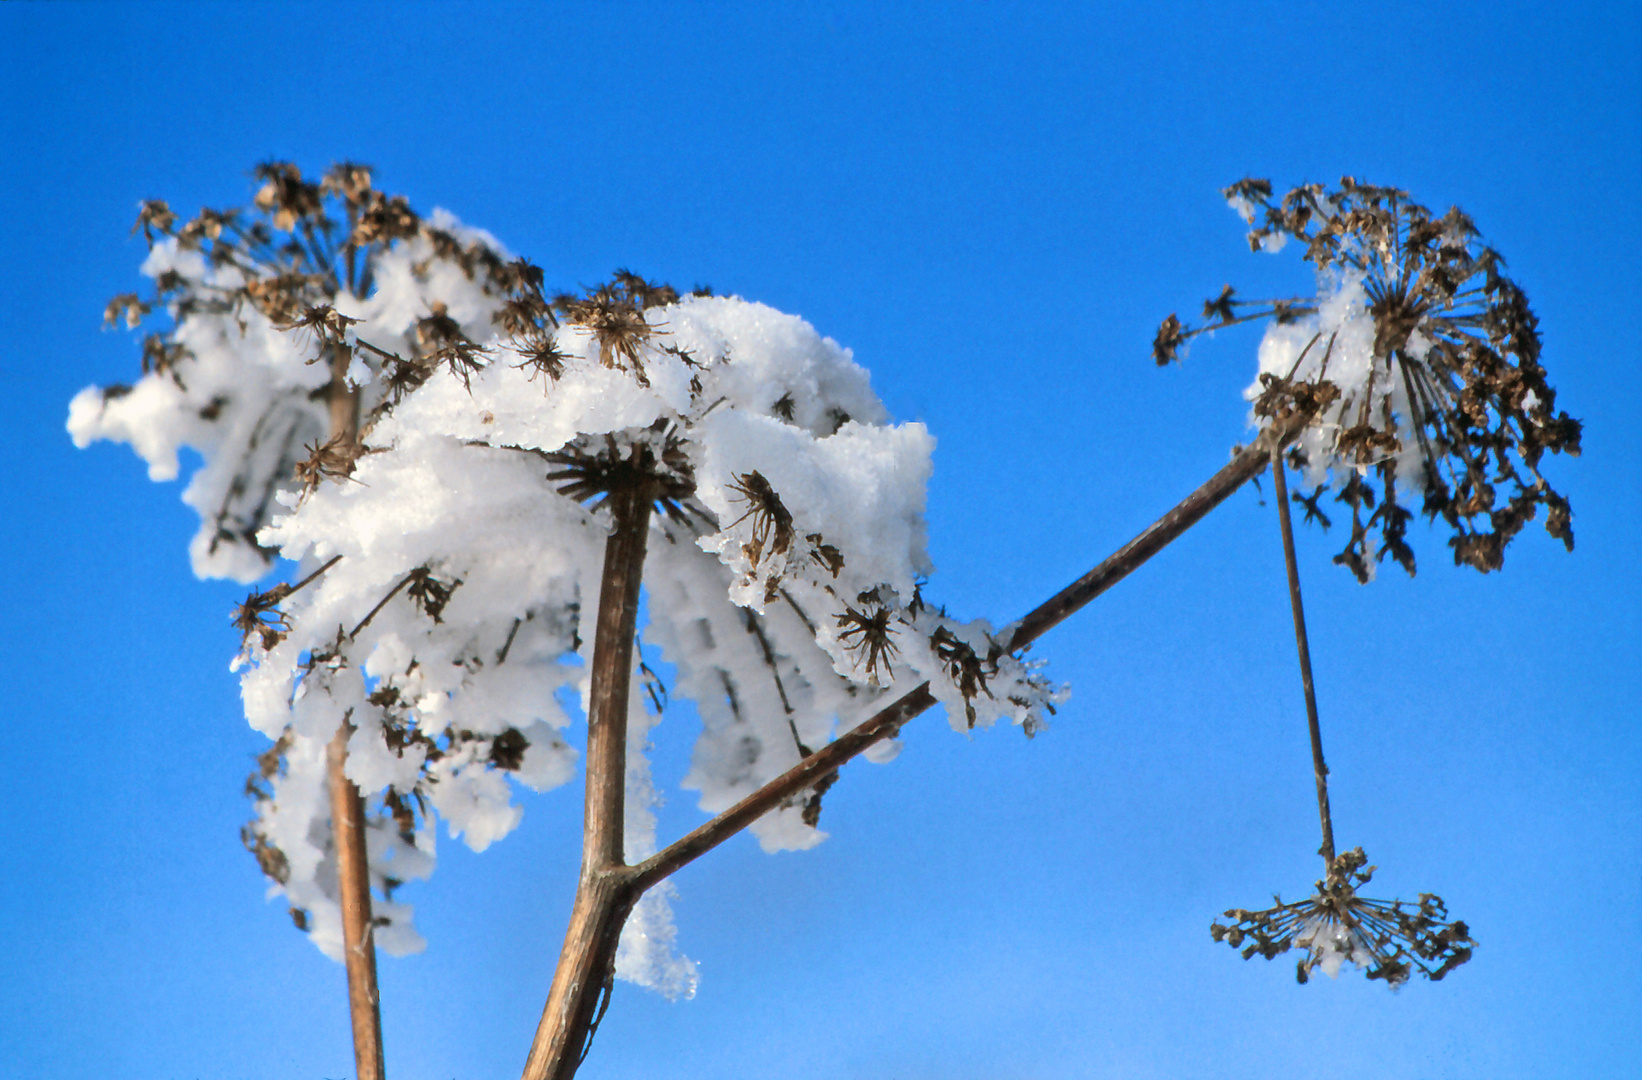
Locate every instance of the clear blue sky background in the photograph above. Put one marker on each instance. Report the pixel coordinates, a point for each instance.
(993, 206)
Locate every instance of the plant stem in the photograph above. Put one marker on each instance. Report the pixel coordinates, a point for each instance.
(348, 822)
(1280, 484)
(605, 893)
(358, 938)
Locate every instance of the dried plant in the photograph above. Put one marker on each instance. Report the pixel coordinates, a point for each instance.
(334, 459)
(614, 314)
(771, 523)
(869, 635)
(1434, 359)
(306, 253)
(592, 468)
(1389, 940)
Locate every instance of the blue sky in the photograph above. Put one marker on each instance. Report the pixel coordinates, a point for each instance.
(993, 206)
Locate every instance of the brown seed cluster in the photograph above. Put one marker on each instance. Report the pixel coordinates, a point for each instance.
(1390, 940)
(1454, 340)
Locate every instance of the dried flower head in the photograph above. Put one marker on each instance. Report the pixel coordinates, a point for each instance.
(591, 468)
(285, 195)
(429, 593)
(614, 314)
(968, 670)
(333, 459)
(1389, 940)
(869, 635)
(259, 616)
(771, 523)
(1433, 356)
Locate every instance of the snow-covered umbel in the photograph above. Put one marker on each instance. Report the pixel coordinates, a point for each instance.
(449, 562)
(1415, 364)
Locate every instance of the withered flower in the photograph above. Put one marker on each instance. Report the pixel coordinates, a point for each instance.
(969, 671)
(429, 593)
(614, 314)
(592, 468)
(349, 179)
(1434, 357)
(127, 306)
(329, 324)
(1170, 336)
(285, 195)
(771, 523)
(1389, 940)
(507, 750)
(441, 340)
(154, 214)
(160, 355)
(334, 459)
(539, 351)
(869, 636)
(259, 615)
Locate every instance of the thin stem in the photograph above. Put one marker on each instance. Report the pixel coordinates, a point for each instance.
(380, 604)
(1280, 483)
(326, 565)
(348, 822)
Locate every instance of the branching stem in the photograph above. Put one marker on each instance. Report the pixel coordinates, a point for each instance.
(606, 892)
(889, 720)
(609, 889)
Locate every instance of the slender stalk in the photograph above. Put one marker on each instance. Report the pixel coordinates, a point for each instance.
(605, 893)
(1280, 483)
(348, 824)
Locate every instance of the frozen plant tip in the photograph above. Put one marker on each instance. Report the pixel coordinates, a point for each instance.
(1421, 361)
(1388, 940)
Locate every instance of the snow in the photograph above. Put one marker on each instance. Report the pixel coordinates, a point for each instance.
(1336, 343)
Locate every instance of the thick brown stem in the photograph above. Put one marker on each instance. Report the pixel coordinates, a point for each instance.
(604, 895)
(359, 942)
(1281, 490)
(348, 823)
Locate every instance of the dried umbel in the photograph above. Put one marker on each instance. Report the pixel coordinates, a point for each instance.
(1433, 357)
(614, 314)
(590, 469)
(1389, 940)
